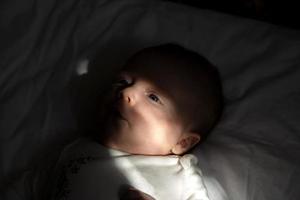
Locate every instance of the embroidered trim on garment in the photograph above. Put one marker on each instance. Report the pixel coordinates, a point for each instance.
(72, 167)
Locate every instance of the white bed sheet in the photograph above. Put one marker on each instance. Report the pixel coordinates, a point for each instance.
(253, 154)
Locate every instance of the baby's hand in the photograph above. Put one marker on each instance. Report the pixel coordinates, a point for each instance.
(134, 194)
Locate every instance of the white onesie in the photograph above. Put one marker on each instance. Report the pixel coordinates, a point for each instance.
(88, 170)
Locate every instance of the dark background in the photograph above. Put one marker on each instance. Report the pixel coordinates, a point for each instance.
(285, 12)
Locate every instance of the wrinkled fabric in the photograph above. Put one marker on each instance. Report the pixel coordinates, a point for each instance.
(93, 171)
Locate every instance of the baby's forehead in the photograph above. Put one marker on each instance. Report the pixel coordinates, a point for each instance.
(164, 69)
(172, 66)
(172, 80)
(159, 74)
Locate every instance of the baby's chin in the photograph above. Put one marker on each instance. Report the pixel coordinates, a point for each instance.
(116, 118)
(127, 142)
(137, 151)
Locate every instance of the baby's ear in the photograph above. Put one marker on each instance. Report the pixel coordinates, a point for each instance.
(186, 142)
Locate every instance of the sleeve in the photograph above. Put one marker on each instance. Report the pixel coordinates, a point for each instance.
(194, 188)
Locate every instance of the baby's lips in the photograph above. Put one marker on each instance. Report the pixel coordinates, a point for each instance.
(118, 108)
(116, 105)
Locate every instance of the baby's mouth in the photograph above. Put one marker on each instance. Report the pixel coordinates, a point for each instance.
(117, 110)
(118, 114)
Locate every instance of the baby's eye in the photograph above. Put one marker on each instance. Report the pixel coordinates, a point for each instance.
(121, 82)
(153, 97)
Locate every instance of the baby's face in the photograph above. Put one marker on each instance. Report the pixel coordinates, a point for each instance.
(144, 116)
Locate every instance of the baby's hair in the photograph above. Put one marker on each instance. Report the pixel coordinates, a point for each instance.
(201, 75)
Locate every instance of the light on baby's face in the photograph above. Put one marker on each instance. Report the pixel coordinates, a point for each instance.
(145, 120)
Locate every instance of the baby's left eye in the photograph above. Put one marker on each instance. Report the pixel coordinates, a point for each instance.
(153, 97)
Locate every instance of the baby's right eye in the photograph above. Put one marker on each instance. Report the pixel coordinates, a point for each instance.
(123, 82)
(120, 83)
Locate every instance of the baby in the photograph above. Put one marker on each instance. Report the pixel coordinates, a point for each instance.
(165, 100)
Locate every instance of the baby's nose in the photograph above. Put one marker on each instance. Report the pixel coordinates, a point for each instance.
(122, 97)
(127, 96)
